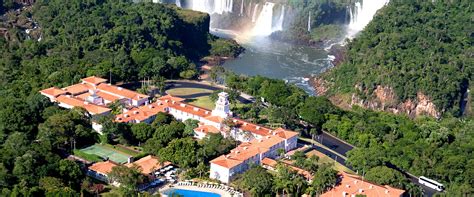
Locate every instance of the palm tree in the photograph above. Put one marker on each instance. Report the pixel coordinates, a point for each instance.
(160, 83)
(299, 182)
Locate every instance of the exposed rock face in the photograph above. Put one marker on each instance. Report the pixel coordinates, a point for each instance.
(320, 85)
(385, 100)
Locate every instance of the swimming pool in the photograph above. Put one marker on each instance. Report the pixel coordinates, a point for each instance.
(189, 193)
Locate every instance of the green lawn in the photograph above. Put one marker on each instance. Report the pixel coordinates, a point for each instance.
(203, 101)
(325, 159)
(123, 150)
(186, 91)
(86, 156)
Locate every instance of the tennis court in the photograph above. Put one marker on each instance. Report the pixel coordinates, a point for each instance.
(106, 152)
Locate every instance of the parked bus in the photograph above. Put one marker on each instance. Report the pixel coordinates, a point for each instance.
(431, 183)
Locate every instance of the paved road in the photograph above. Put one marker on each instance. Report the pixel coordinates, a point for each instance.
(334, 143)
(342, 148)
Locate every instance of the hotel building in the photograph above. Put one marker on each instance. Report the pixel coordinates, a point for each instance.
(258, 142)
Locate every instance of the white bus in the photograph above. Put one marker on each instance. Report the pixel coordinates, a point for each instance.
(431, 183)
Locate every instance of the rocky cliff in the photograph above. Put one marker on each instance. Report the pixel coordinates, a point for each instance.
(382, 98)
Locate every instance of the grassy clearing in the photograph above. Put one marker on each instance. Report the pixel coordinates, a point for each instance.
(325, 159)
(122, 149)
(86, 156)
(203, 101)
(187, 91)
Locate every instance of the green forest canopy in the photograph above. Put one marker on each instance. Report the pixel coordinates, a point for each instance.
(80, 38)
(412, 46)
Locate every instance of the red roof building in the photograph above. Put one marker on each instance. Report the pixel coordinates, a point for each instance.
(352, 185)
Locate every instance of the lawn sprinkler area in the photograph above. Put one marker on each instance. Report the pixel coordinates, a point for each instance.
(107, 152)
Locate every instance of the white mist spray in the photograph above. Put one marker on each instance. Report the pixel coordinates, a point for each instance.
(362, 14)
(254, 15)
(263, 26)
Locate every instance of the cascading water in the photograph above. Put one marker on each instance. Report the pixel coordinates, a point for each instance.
(242, 8)
(279, 25)
(249, 10)
(254, 15)
(362, 13)
(264, 24)
(309, 21)
(212, 6)
(264, 56)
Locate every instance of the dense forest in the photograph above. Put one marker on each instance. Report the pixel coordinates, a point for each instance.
(130, 41)
(412, 47)
(119, 39)
(441, 149)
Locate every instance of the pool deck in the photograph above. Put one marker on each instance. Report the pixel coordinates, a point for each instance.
(195, 188)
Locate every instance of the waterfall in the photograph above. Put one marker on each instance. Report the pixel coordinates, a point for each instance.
(263, 26)
(263, 20)
(362, 13)
(242, 8)
(279, 25)
(309, 21)
(212, 6)
(254, 15)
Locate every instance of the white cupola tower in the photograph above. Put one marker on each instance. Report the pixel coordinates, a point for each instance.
(222, 106)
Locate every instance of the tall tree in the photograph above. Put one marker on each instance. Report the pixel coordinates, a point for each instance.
(182, 152)
(129, 178)
(386, 176)
(325, 178)
(258, 181)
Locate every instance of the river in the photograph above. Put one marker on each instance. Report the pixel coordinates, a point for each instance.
(274, 59)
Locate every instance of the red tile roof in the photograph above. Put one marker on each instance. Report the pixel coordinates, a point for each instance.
(141, 113)
(207, 129)
(148, 164)
(226, 162)
(78, 88)
(216, 119)
(184, 107)
(247, 150)
(253, 128)
(106, 96)
(287, 134)
(269, 162)
(104, 167)
(76, 102)
(122, 92)
(353, 185)
(172, 98)
(53, 92)
(93, 80)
